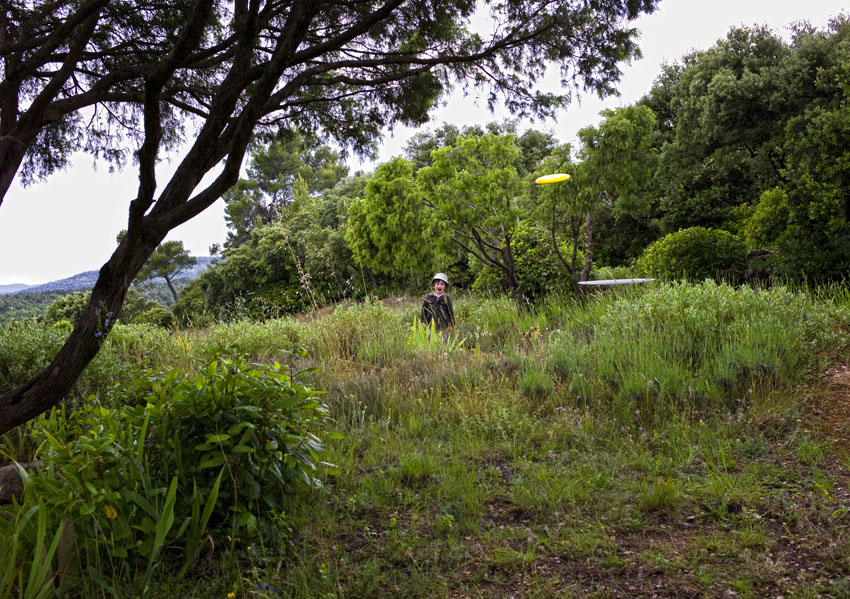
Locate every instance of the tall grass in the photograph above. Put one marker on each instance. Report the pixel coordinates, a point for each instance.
(528, 436)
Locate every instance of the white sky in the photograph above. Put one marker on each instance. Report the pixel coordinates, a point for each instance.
(68, 224)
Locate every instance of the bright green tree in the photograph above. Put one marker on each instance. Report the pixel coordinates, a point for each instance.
(563, 207)
(473, 189)
(295, 159)
(388, 228)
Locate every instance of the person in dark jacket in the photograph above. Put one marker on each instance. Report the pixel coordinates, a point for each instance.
(437, 307)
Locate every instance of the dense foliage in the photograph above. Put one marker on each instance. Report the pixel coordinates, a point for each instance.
(24, 305)
(752, 114)
(696, 254)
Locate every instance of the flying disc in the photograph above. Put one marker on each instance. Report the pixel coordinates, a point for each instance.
(556, 178)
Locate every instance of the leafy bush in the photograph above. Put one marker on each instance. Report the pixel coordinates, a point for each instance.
(70, 307)
(252, 419)
(695, 254)
(190, 308)
(769, 219)
(157, 316)
(25, 348)
(179, 457)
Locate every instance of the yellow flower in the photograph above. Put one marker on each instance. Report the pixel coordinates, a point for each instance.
(110, 512)
(231, 595)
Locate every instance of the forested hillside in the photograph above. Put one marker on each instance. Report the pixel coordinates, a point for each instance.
(33, 301)
(26, 305)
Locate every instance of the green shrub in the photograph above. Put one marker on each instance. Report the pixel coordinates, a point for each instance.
(177, 458)
(252, 419)
(68, 307)
(158, 316)
(695, 254)
(190, 309)
(769, 219)
(26, 348)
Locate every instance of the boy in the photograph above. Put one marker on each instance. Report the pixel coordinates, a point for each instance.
(437, 307)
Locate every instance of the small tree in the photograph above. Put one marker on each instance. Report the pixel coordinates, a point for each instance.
(619, 161)
(388, 227)
(167, 262)
(473, 188)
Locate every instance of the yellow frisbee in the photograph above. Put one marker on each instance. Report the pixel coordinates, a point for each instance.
(556, 178)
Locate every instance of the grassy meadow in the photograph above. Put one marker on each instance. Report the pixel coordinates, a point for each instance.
(671, 440)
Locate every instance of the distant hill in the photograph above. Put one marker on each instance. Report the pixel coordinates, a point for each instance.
(86, 280)
(31, 301)
(4, 289)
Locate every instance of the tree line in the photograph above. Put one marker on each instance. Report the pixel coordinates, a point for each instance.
(734, 164)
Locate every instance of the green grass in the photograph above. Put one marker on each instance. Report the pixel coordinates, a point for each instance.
(648, 442)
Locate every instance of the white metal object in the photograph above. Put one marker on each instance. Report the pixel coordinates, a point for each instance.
(604, 282)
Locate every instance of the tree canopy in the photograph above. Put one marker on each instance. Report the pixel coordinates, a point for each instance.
(275, 170)
(167, 262)
(473, 188)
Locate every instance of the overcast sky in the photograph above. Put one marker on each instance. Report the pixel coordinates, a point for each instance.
(68, 224)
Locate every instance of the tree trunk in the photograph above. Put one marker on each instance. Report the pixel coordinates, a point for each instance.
(513, 279)
(588, 248)
(51, 386)
(171, 288)
(10, 161)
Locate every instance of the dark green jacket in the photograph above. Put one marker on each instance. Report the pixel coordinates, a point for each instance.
(439, 309)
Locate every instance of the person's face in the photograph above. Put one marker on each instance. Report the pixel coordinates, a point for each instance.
(439, 287)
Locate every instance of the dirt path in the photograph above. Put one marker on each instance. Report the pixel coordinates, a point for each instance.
(831, 407)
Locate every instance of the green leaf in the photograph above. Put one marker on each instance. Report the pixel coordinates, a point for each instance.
(212, 462)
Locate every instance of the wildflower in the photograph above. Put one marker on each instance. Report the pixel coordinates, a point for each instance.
(98, 334)
(110, 512)
(231, 595)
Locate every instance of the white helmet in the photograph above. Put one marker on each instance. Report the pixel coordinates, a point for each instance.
(440, 277)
